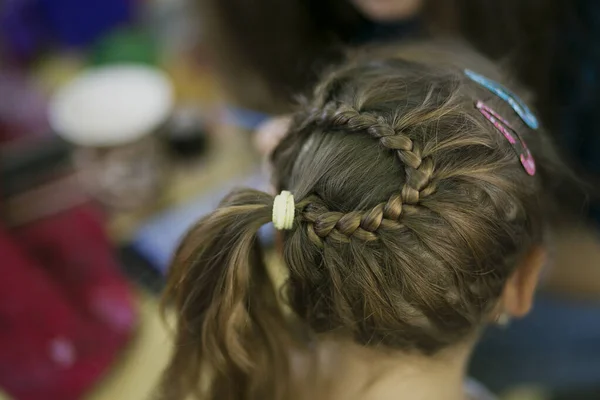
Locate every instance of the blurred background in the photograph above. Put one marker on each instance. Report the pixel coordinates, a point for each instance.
(113, 141)
(115, 137)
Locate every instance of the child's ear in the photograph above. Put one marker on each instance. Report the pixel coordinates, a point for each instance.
(519, 292)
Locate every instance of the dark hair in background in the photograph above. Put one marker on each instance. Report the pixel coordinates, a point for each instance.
(269, 50)
(411, 213)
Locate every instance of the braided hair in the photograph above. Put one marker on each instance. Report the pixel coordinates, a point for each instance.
(411, 214)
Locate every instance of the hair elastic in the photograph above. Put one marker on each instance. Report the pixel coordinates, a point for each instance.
(512, 99)
(517, 143)
(283, 211)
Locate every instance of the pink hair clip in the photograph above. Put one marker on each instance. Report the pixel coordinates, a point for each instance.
(517, 143)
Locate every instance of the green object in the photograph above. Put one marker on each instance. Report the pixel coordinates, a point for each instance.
(124, 46)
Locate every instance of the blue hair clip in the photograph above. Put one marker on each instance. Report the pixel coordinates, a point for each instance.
(512, 99)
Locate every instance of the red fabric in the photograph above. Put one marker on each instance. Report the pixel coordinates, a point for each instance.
(65, 311)
(76, 251)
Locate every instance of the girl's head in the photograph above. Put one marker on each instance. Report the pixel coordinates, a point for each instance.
(414, 225)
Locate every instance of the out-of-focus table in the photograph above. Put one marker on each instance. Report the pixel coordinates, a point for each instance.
(230, 154)
(136, 374)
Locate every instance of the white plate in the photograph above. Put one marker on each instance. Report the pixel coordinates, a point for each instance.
(111, 105)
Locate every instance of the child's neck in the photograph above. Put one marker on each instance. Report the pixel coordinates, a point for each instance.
(360, 373)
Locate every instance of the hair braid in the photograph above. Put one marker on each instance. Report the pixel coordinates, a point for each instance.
(419, 170)
(363, 225)
(338, 226)
(341, 227)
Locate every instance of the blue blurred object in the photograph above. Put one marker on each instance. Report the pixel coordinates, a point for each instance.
(28, 26)
(158, 239)
(245, 118)
(77, 23)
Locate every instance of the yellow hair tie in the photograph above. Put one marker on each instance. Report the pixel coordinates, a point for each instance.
(283, 211)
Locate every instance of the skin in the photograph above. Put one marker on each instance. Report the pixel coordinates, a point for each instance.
(270, 133)
(388, 10)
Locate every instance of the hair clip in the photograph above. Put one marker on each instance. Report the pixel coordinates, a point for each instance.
(512, 99)
(517, 143)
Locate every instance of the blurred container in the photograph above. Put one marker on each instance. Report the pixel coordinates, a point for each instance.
(54, 70)
(173, 25)
(112, 115)
(186, 133)
(22, 107)
(125, 45)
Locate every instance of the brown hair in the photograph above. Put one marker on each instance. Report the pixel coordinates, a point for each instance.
(411, 213)
(270, 50)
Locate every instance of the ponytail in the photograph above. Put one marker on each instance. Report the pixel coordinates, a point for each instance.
(231, 341)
